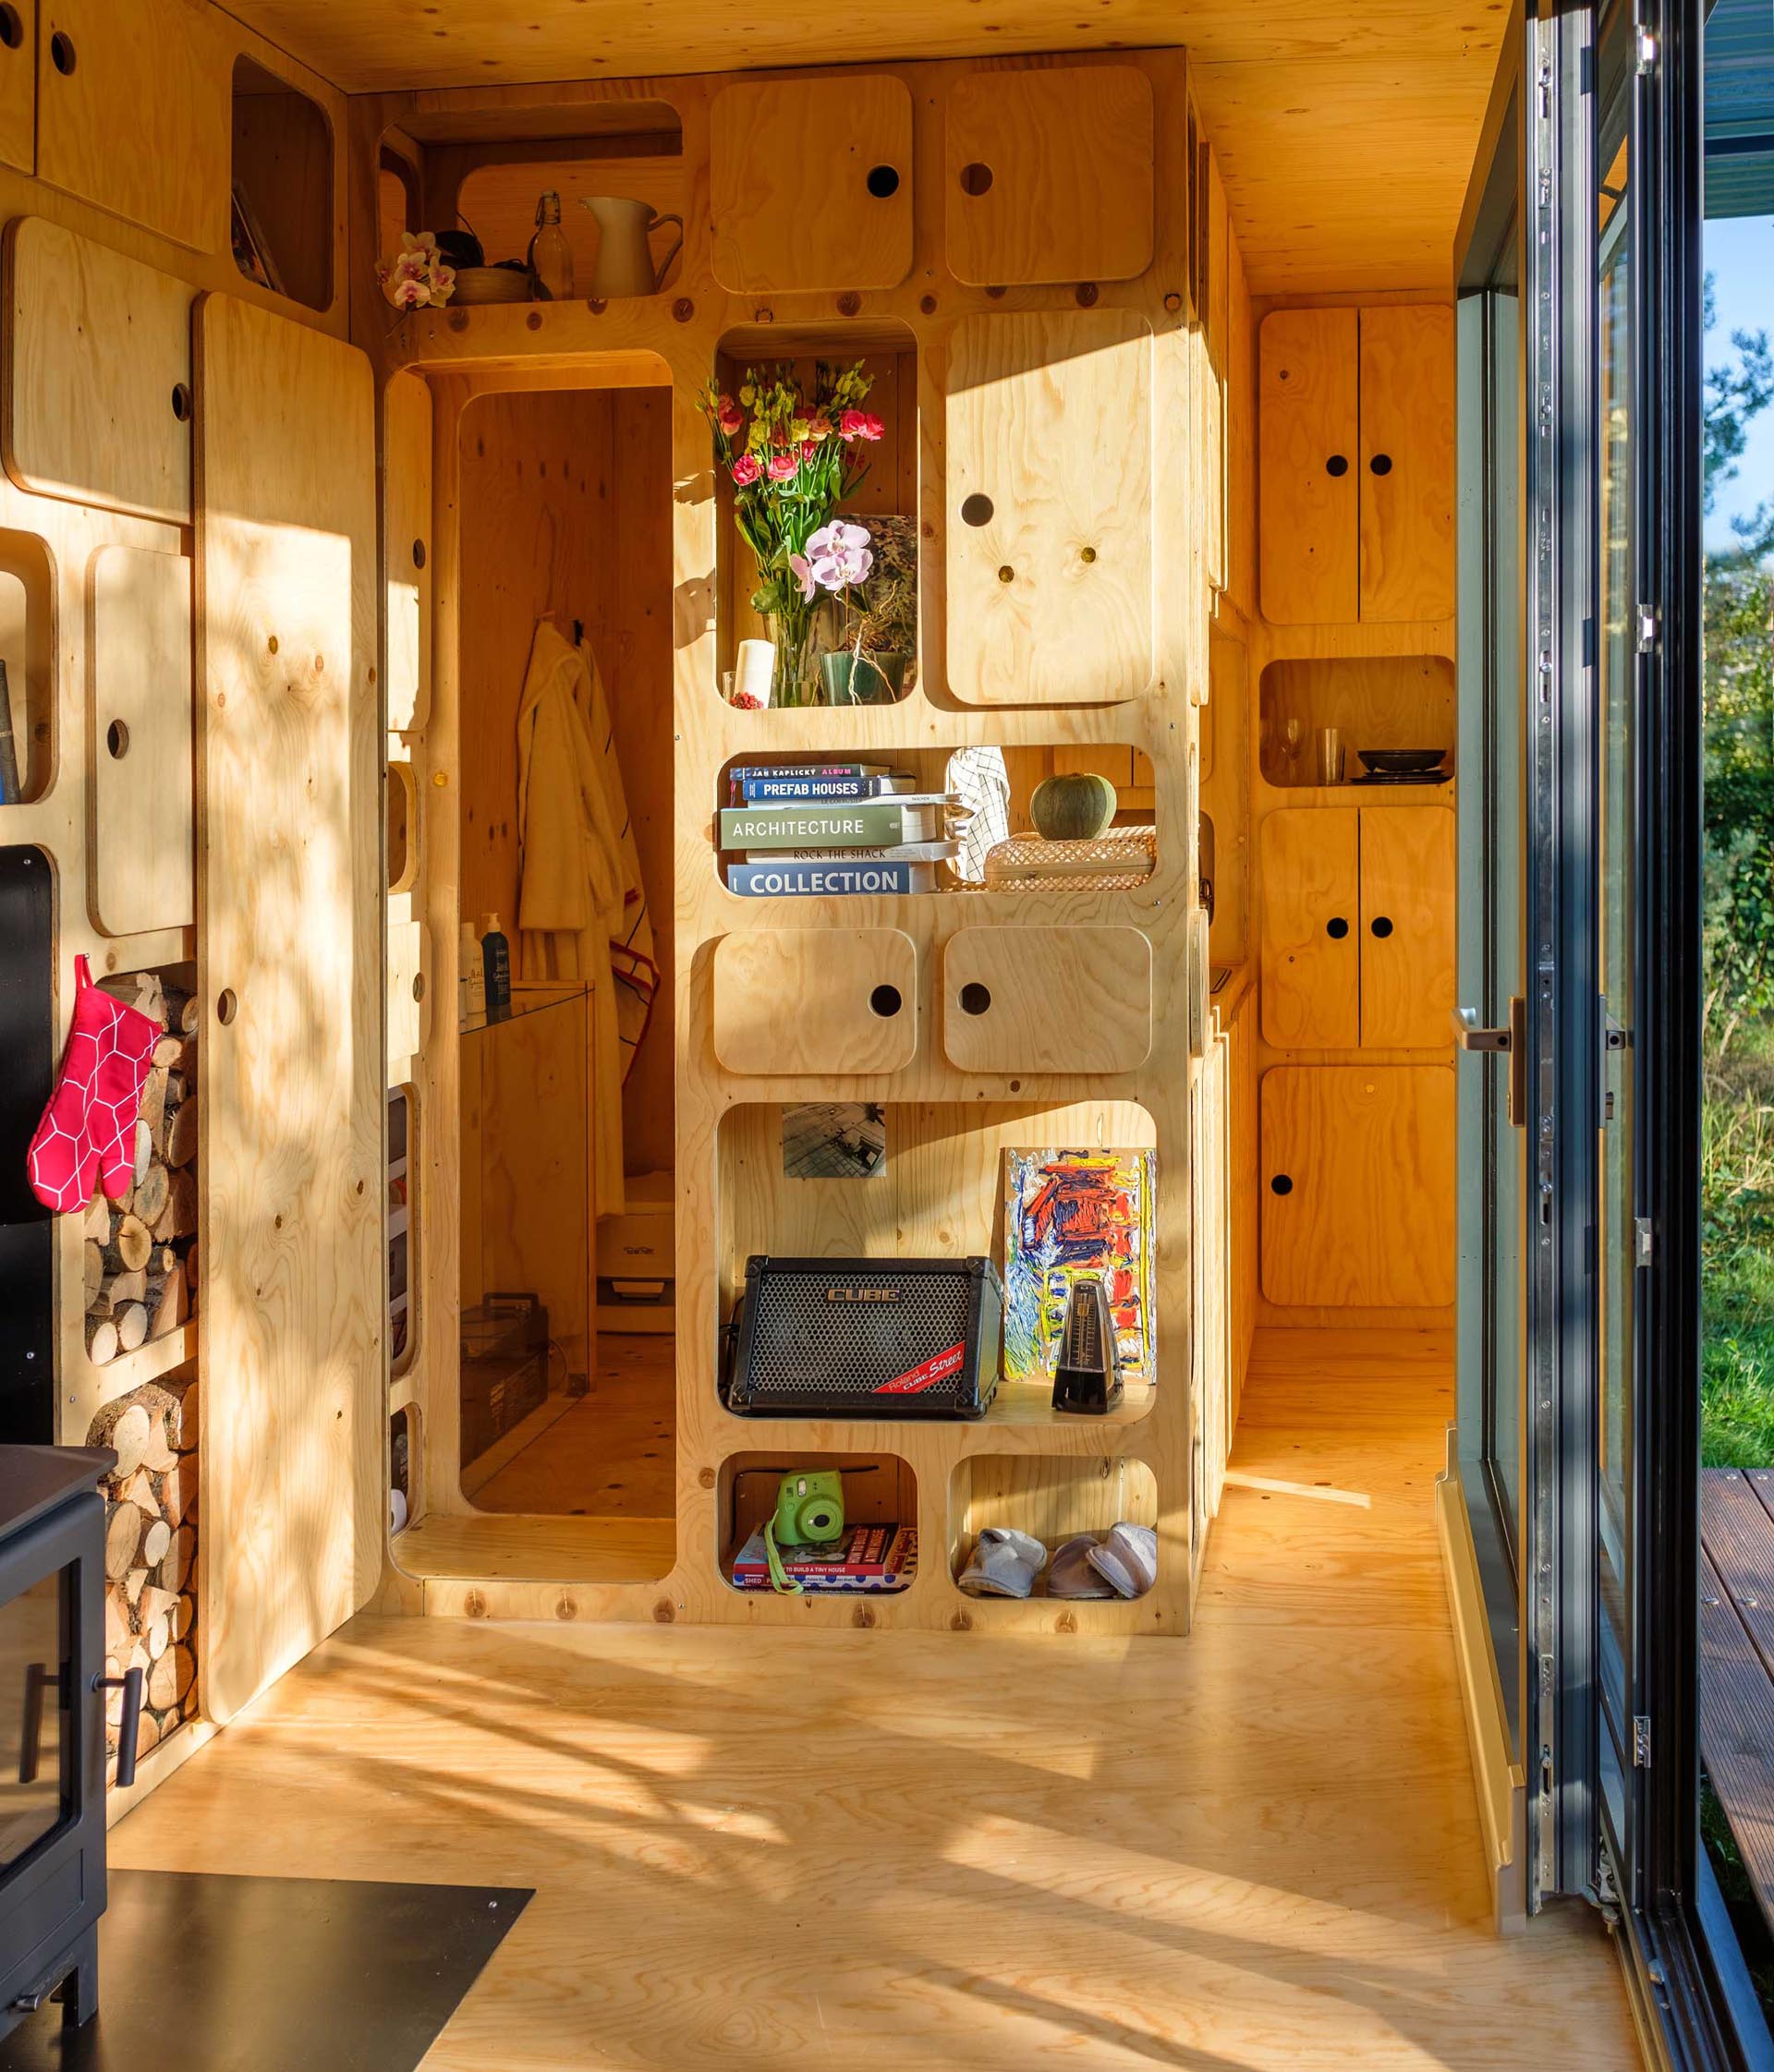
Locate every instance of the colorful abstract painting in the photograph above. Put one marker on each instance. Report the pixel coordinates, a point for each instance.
(1077, 1212)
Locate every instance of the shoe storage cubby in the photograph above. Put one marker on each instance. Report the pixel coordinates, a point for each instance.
(1384, 702)
(877, 1489)
(1051, 1500)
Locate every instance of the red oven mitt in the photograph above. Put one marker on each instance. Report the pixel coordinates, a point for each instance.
(90, 1124)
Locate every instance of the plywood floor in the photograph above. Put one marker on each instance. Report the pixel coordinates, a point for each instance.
(610, 1453)
(1253, 1849)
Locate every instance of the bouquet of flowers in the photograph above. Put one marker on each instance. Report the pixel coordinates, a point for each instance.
(419, 276)
(792, 461)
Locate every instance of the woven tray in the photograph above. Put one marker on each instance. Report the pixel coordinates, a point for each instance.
(1110, 864)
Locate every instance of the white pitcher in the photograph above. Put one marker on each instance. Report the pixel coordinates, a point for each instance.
(625, 261)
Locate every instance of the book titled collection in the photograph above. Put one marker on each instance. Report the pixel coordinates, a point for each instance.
(819, 830)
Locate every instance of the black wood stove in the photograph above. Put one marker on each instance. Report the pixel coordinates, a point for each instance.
(52, 1727)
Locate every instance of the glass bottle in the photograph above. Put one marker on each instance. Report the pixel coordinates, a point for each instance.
(550, 255)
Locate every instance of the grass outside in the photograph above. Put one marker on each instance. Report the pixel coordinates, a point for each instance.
(1737, 1235)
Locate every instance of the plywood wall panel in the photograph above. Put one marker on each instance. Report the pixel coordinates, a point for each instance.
(291, 977)
(1048, 427)
(790, 166)
(1308, 449)
(135, 117)
(1047, 177)
(142, 869)
(1365, 1215)
(97, 402)
(1407, 462)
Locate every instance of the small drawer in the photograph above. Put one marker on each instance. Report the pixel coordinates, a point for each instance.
(789, 1001)
(1028, 999)
(810, 184)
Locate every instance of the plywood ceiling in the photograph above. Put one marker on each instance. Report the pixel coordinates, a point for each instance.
(1346, 136)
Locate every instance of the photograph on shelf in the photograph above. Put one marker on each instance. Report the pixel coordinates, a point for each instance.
(1070, 1213)
(834, 1139)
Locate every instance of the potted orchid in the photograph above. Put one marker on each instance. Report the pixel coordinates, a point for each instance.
(792, 461)
(419, 276)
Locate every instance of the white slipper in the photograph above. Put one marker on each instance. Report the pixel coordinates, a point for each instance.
(1005, 1564)
(1072, 1575)
(1128, 1559)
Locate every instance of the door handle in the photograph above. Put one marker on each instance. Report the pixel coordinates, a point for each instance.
(1511, 1041)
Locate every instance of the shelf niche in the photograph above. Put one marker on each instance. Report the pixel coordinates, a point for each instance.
(282, 186)
(934, 1189)
(877, 1489)
(27, 649)
(1383, 701)
(889, 352)
(1048, 1497)
(1025, 768)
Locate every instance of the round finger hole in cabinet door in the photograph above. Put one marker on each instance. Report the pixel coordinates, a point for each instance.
(1381, 463)
(1337, 465)
(61, 52)
(1336, 928)
(181, 403)
(12, 28)
(116, 739)
(227, 1006)
(976, 178)
(1382, 926)
(976, 509)
(883, 181)
(974, 997)
(1281, 1184)
(885, 1002)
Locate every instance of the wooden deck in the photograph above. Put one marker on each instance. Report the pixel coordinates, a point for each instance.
(1737, 1660)
(905, 1852)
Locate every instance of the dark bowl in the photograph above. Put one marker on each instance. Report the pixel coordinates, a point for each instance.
(1402, 762)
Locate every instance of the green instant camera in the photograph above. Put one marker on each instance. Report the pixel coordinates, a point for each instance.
(809, 1508)
(809, 1512)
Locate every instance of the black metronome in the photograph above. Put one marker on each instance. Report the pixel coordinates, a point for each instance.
(1087, 1377)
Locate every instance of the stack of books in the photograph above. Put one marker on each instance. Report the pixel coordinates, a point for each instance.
(867, 1557)
(802, 830)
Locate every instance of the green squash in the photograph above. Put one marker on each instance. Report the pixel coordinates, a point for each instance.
(1075, 808)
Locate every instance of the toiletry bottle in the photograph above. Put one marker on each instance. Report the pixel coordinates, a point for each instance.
(496, 953)
(470, 975)
(550, 257)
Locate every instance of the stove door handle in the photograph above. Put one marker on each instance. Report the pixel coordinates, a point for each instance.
(129, 1726)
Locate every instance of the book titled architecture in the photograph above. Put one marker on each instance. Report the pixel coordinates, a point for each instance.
(883, 823)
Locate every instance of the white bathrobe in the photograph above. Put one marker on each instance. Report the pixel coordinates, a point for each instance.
(581, 906)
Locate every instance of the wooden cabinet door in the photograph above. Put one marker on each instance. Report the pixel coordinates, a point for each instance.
(1048, 175)
(290, 971)
(1311, 952)
(810, 184)
(18, 85)
(1034, 998)
(1049, 435)
(815, 1000)
(1407, 927)
(1407, 462)
(1308, 442)
(133, 104)
(1357, 1185)
(97, 402)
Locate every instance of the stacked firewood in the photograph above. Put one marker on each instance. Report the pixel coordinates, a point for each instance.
(141, 1252)
(151, 1553)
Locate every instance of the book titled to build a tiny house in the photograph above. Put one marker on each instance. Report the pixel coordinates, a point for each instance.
(1071, 1213)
